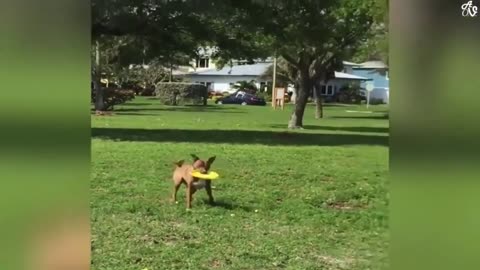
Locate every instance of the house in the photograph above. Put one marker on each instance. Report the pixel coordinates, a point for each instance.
(206, 61)
(375, 71)
(222, 80)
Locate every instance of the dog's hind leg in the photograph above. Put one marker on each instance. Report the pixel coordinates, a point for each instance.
(176, 186)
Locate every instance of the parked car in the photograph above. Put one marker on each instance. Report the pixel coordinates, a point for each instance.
(241, 98)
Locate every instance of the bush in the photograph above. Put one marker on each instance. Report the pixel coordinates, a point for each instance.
(216, 95)
(148, 91)
(376, 101)
(264, 95)
(349, 94)
(173, 93)
(114, 96)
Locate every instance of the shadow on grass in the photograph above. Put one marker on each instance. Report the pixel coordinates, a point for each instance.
(378, 117)
(337, 105)
(228, 205)
(136, 104)
(190, 108)
(137, 114)
(349, 129)
(237, 137)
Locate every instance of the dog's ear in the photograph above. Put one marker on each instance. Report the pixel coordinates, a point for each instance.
(210, 161)
(179, 163)
(195, 158)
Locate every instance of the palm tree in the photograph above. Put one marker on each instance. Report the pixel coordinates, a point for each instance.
(246, 86)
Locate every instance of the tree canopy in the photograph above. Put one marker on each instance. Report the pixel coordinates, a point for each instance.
(312, 37)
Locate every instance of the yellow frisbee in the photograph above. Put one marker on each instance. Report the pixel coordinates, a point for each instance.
(209, 176)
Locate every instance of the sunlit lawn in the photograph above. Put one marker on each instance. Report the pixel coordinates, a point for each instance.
(310, 199)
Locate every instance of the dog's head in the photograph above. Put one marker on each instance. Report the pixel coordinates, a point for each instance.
(201, 165)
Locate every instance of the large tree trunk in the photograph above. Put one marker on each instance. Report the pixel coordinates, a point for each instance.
(97, 85)
(318, 104)
(318, 108)
(294, 95)
(305, 86)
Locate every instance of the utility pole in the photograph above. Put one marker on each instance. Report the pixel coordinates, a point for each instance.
(274, 78)
(97, 80)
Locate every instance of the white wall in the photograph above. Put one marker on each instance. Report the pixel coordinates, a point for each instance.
(348, 69)
(221, 83)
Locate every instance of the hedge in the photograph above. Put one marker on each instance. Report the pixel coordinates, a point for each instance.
(174, 93)
(113, 96)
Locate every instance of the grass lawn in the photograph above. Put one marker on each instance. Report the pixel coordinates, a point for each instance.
(310, 199)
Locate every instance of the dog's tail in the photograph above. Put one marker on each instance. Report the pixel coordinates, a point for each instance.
(179, 163)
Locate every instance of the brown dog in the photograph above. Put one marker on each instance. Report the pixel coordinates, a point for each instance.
(182, 175)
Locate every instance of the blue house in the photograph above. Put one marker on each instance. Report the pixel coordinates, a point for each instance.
(376, 72)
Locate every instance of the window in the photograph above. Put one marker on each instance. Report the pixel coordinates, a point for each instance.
(262, 86)
(240, 94)
(324, 90)
(386, 75)
(202, 63)
(330, 90)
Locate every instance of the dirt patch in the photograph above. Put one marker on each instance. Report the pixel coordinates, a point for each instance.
(101, 113)
(335, 263)
(216, 264)
(344, 206)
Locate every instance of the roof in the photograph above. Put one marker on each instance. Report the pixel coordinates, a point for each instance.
(342, 75)
(346, 63)
(259, 69)
(240, 70)
(373, 64)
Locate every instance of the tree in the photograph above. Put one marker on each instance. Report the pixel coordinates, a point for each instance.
(166, 31)
(170, 32)
(314, 37)
(376, 46)
(285, 74)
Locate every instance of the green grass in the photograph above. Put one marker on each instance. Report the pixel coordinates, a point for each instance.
(310, 199)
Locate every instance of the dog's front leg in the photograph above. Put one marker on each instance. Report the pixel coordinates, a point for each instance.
(208, 188)
(189, 194)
